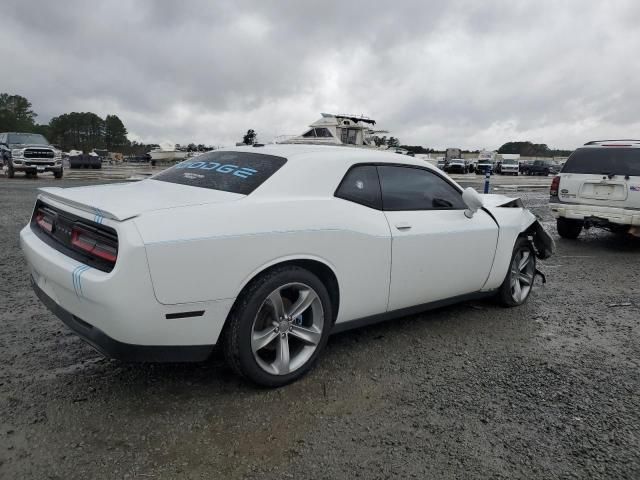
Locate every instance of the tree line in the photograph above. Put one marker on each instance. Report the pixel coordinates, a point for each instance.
(86, 131)
(528, 149)
(69, 131)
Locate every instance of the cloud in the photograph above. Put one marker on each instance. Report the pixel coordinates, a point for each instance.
(438, 73)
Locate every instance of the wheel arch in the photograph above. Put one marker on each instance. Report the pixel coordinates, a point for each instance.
(318, 266)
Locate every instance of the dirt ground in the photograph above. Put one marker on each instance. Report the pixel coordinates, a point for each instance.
(547, 390)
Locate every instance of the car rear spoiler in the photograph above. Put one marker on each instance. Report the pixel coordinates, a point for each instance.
(57, 195)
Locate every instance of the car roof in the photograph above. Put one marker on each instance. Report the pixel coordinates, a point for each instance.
(331, 153)
(317, 170)
(613, 143)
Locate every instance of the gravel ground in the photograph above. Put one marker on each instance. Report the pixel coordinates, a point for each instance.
(547, 390)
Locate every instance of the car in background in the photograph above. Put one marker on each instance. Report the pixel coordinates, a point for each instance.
(508, 167)
(85, 160)
(598, 186)
(483, 166)
(554, 168)
(538, 167)
(441, 163)
(266, 251)
(30, 153)
(457, 165)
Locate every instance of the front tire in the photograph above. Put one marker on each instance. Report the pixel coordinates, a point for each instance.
(518, 283)
(58, 175)
(278, 326)
(569, 228)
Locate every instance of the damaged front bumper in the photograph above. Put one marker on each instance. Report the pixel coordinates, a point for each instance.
(543, 243)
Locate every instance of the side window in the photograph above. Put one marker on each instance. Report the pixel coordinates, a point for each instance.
(361, 185)
(311, 133)
(323, 133)
(406, 188)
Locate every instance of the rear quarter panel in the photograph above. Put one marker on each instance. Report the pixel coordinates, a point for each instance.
(211, 252)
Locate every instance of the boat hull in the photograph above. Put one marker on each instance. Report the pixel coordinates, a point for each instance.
(167, 155)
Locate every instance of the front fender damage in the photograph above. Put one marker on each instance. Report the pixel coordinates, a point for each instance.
(543, 244)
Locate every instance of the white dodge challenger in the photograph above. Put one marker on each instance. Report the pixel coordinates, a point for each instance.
(266, 251)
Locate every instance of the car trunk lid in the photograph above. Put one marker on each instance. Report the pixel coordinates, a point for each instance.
(122, 201)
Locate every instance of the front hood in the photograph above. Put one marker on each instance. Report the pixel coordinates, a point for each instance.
(30, 145)
(494, 200)
(121, 201)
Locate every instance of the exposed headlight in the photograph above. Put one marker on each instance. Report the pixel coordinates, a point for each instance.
(17, 152)
(57, 154)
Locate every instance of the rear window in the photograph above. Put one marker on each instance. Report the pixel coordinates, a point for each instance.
(604, 161)
(236, 172)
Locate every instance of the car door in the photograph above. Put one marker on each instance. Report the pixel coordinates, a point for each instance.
(437, 252)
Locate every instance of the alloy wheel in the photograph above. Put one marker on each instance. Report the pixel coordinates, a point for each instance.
(522, 274)
(287, 328)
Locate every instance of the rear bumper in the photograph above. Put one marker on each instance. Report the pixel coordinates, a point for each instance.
(126, 352)
(617, 215)
(120, 304)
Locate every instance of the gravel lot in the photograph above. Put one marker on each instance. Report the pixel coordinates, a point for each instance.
(548, 390)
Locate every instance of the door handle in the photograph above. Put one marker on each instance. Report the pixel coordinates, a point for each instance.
(403, 226)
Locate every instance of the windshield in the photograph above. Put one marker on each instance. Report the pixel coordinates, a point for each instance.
(236, 172)
(26, 138)
(604, 161)
(509, 162)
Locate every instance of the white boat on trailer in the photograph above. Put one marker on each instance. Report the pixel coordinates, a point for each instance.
(160, 154)
(338, 129)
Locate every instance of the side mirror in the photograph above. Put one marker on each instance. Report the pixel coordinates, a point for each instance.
(472, 200)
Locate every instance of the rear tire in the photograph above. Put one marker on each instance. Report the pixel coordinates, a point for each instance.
(518, 283)
(569, 228)
(263, 336)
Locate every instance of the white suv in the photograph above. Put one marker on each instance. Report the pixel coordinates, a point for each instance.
(599, 186)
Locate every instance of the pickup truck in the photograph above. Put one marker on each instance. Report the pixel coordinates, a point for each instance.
(483, 166)
(30, 153)
(538, 167)
(508, 167)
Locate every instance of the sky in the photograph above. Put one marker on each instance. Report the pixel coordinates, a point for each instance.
(435, 73)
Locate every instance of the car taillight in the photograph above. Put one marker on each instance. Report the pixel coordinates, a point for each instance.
(94, 243)
(44, 221)
(555, 186)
